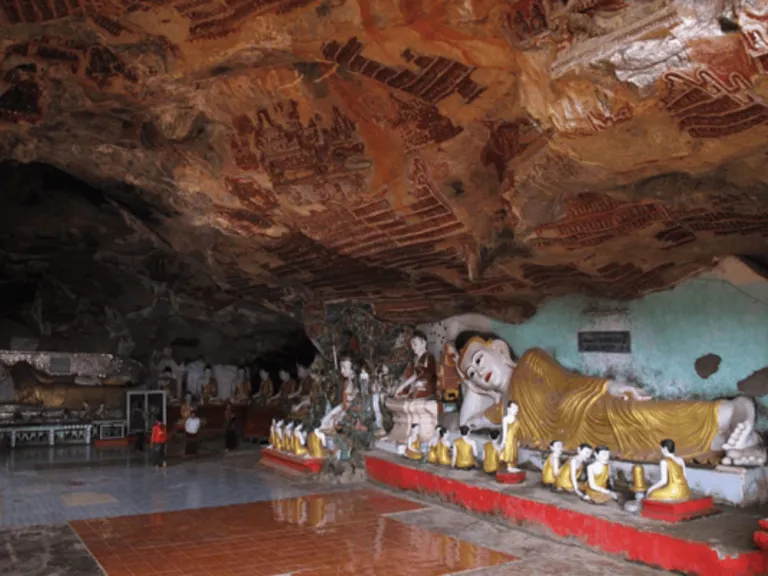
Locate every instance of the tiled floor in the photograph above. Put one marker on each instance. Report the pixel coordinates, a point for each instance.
(320, 535)
(227, 515)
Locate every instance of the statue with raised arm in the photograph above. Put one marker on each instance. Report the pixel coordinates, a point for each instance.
(558, 403)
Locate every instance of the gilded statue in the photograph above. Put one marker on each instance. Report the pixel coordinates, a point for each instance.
(551, 466)
(570, 477)
(210, 386)
(420, 377)
(673, 484)
(266, 389)
(510, 439)
(413, 446)
(492, 454)
(599, 478)
(557, 403)
(464, 455)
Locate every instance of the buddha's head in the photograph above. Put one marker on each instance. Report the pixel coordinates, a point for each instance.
(512, 408)
(364, 376)
(346, 368)
(263, 374)
(415, 428)
(241, 374)
(289, 427)
(486, 361)
(302, 371)
(602, 454)
(464, 430)
(418, 343)
(556, 447)
(667, 447)
(284, 375)
(441, 431)
(585, 451)
(280, 423)
(207, 371)
(494, 435)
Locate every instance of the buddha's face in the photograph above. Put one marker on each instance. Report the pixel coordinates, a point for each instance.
(418, 345)
(415, 429)
(603, 456)
(487, 364)
(664, 451)
(284, 375)
(207, 372)
(302, 371)
(557, 447)
(585, 453)
(513, 408)
(364, 376)
(263, 374)
(346, 369)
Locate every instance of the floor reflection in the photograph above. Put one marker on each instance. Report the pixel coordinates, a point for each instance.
(316, 535)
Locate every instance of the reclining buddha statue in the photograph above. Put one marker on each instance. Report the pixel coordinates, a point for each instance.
(556, 403)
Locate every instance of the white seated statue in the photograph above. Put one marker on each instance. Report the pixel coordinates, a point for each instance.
(413, 401)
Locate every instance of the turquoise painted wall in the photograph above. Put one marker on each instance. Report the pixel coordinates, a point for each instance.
(669, 331)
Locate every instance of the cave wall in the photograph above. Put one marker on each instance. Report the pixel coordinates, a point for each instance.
(723, 312)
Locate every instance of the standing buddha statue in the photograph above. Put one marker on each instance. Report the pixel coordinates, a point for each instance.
(510, 437)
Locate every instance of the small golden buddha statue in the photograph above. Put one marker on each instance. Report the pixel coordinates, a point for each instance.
(288, 437)
(464, 454)
(432, 452)
(639, 485)
(413, 446)
(599, 477)
(272, 433)
(299, 439)
(568, 478)
(316, 444)
(510, 440)
(279, 435)
(673, 484)
(552, 464)
(491, 454)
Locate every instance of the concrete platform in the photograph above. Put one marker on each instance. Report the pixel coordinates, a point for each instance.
(741, 487)
(712, 546)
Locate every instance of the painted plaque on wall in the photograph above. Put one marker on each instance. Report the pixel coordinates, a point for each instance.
(607, 342)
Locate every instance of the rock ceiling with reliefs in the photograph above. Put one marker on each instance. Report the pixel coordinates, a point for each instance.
(427, 156)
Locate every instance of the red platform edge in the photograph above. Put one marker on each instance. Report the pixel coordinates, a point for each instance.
(510, 477)
(306, 465)
(652, 548)
(678, 511)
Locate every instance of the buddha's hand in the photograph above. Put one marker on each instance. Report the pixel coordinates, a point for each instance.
(626, 391)
(614, 496)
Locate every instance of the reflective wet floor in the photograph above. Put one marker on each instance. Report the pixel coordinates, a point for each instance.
(228, 515)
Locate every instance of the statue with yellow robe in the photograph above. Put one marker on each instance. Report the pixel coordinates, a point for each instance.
(558, 403)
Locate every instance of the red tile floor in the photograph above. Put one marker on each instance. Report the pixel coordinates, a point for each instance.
(318, 535)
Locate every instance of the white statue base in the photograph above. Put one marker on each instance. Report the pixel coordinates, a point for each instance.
(729, 485)
(406, 412)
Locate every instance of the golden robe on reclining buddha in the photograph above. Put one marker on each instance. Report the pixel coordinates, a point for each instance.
(557, 403)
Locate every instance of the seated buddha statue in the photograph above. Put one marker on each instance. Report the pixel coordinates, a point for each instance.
(673, 484)
(551, 466)
(299, 440)
(303, 390)
(599, 478)
(464, 454)
(349, 393)
(413, 399)
(413, 447)
(569, 479)
(288, 437)
(557, 403)
(440, 448)
(167, 383)
(266, 388)
(316, 444)
(272, 435)
(288, 392)
(492, 454)
(279, 440)
(209, 385)
(242, 387)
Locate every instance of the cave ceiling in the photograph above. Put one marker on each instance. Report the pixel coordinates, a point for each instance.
(427, 156)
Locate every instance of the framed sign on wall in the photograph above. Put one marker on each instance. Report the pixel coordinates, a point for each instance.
(606, 342)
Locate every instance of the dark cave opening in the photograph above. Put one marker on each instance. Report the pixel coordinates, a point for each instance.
(77, 276)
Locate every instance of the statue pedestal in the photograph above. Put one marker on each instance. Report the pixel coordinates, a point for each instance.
(503, 477)
(678, 511)
(761, 536)
(270, 456)
(406, 412)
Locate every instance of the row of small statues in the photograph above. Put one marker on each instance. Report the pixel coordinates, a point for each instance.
(291, 438)
(591, 481)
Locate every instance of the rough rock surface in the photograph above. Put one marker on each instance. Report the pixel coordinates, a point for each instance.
(430, 157)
